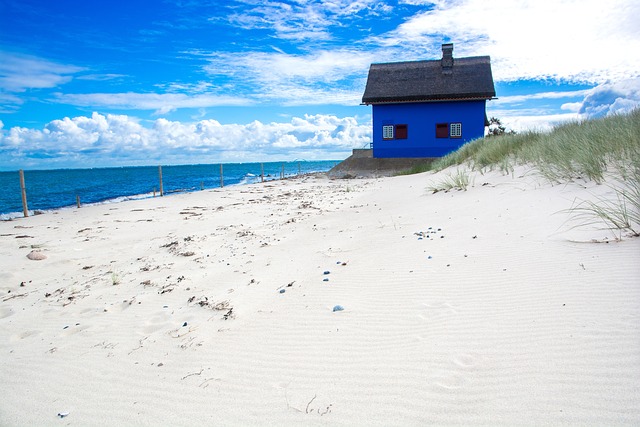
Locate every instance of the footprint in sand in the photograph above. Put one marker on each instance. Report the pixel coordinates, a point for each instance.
(465, 360)
(461, 373)
(158, 322)
(23, 335)
(74, 329)
(437, 310)
(5, 312)
(452, 381)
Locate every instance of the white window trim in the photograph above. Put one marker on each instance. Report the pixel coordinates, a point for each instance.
(388, 131)
(455, 130)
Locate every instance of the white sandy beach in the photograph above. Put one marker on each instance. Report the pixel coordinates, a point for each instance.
(169, 311)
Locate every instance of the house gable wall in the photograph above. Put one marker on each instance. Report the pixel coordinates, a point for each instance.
(421, 119)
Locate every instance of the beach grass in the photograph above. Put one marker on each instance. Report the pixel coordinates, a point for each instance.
(600, 150)
(587, 149)
(621, 214)
(459, 180)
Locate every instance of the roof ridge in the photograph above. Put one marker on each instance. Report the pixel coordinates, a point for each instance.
(421, 61)
(410, 81)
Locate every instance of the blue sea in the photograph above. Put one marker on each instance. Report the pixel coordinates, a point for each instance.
(54, 189)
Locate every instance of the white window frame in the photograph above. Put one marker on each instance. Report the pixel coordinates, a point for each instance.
(455, 130)
(388, 131)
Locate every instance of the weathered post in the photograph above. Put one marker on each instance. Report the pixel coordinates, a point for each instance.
(262, 171)
(23, 189)
(282, 173)
(221, 177)
(160, 176)
(78, 200)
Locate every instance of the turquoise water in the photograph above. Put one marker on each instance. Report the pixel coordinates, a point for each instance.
(55, 189)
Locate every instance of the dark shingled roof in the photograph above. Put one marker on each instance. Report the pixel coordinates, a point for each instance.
(469, 78)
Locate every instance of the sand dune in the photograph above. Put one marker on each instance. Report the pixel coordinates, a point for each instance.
(464, 307)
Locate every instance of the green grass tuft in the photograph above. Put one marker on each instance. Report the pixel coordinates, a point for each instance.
(622, 214)
(460, 180)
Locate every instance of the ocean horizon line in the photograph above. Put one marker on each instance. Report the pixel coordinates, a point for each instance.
(155, 165)
(52, 189)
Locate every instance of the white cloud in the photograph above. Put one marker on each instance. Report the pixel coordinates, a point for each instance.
(162, 103)
(103, 140)
(521, 121)
(571, 106)
(516, 99)
(101, 77)
(611, 98)
(19, 73)
(323, 77)
(571, 40)
(302, 20)
(9, 103)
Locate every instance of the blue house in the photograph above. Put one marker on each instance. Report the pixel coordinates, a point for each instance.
(428, 108)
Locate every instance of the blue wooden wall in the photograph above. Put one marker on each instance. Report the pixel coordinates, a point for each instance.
(421, 119)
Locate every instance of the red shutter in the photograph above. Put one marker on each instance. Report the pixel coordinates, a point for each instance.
(442, 130)
(401, 132)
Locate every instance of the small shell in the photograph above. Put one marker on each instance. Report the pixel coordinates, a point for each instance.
(36, 256)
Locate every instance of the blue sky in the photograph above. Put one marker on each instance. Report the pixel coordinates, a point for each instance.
(87, 84)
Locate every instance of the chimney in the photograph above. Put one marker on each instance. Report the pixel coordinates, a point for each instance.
(447, 58)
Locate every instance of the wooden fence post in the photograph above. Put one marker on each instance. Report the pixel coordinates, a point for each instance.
(78, 200)
(282, 173)
(160, 176)
(221, 177)
(25, 208)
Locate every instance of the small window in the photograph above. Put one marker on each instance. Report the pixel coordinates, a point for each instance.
(401, 132)
(387, 132)
(442, 130)
(455, 130)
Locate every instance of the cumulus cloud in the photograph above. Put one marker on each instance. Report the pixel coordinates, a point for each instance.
(611, 98)
(536, 39)
(101, 140)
